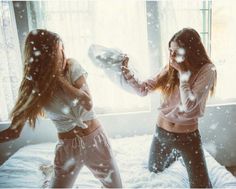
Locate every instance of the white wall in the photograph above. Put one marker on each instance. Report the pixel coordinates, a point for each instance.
(218, 131)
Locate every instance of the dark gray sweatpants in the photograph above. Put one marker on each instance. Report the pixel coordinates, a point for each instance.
(166, 147)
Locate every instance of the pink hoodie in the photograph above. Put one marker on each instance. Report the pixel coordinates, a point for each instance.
(188, 100)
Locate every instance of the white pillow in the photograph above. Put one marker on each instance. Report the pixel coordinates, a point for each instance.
(110, 60)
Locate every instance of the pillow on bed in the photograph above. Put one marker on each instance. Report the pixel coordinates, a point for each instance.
(31, 167)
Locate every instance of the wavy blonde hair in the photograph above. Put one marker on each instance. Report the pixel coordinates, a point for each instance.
(39, 77)
(196, 55)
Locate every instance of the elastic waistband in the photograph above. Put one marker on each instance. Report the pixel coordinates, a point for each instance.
(72, 134)
(159, 129)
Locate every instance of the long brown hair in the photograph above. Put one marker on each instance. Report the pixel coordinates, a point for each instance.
(195, 54)
(39, 78)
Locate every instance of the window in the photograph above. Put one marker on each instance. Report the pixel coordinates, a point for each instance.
(11, 65)
(82, 23)
(213, 20)
(223, 49)
(175, 15)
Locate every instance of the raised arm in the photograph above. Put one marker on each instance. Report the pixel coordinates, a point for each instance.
(141, 87)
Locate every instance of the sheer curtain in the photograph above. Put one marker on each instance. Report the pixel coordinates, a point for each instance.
(224, 49)
(117, 24)
(10, 58)
(175, 15)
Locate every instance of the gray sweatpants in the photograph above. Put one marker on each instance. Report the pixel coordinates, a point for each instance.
(93, 151)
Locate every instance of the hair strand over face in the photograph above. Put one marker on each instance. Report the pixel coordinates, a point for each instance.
(39, 77)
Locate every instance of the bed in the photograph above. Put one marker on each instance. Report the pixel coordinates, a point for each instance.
(31, 167)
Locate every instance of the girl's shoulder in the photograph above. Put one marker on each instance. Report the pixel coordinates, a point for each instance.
(75, 70)
(208, 68)
(72, 61)
(73, 65)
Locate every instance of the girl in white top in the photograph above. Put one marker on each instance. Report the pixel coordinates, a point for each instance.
(56, 85)
(185, 84)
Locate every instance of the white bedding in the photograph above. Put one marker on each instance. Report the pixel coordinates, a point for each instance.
(22, 169)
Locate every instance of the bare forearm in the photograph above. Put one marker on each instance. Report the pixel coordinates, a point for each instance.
(9, 134)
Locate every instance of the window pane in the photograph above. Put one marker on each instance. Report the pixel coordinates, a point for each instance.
(11, 65)
(223, 48)
(118, 24)
(175, 16)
